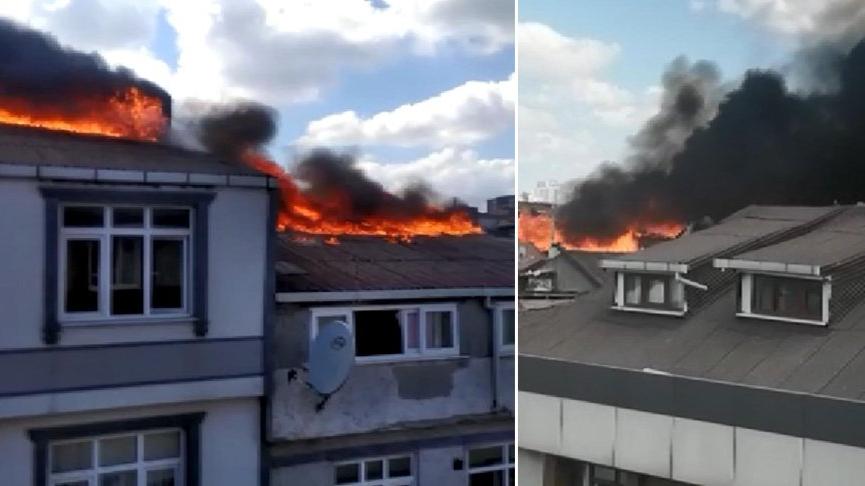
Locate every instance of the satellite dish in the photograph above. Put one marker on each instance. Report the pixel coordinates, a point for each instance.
(330, 357)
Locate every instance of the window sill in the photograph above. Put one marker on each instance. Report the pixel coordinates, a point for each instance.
(780, 319)
(125, 322)
(412, 359)
(650, 310)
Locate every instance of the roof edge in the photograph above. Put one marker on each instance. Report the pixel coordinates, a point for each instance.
(398, 294)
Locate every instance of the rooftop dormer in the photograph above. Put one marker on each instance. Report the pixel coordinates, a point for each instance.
(677, 276)
(809, 279)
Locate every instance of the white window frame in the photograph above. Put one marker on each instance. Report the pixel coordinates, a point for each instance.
(675, 285)
(422, 354)
(386, 481)
(508, 461)
(499, 327)
(140, 466)
(104, 234)
(747, 289)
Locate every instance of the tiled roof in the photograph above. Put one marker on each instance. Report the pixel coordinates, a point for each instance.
(38, 147)
(371, 263)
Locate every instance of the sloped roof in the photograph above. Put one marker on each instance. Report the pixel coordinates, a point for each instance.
(742, 228)
(360, 263)
(838, 241)
(39, 147)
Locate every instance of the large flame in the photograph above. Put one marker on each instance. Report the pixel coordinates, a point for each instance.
(129, 113)
(538, 229)
(301, 214)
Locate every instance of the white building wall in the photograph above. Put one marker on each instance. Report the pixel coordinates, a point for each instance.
(229, 439)
(673, 447)
(237, 238)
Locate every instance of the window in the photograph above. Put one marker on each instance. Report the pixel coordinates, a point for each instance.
(381, 471)
(148, 458)
(787, 297)
(396, 332)
(649, 290)
(492, 465)
(124, 261)
(506, 326)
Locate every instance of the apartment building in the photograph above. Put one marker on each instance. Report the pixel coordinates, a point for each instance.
(729, 356)
(429, 399)
(135, 284)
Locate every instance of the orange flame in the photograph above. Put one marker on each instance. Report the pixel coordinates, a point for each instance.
(301, 214)
(538, 229)
(129, 113)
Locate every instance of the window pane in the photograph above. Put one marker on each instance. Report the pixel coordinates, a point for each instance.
(168, 274)
(74, 482)
(632, 289)
(439, 332)
(127, 288)
(412, 330)
(377, 333)
(373, 470)
(163, 445)
(322, 320)
(347, 473)
(119, 478)
(486, 456)
(161, 477)
(170, 218)
(82, 276)
(489, 478)
(118, 450)
(127, 217)
(83, 216)
(399, 467)
(657, 291)
(512, 454)
(72, 456)
(508, 327)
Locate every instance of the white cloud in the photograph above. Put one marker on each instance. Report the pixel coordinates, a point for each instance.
(571, 116)
(461, 116)
(807, 20)
(275, 51)
(450, 172)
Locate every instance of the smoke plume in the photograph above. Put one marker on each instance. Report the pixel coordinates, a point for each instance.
(763, 144)
(36, 70)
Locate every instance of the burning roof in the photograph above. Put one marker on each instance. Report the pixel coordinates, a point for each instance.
(359, 263)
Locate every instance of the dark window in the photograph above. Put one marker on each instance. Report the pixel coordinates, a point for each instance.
(377, 332)
(491, 465)
(127, 217)
(168, 278)
(127, 285)
(508, 327)
(170, 218)
(83, 216)
(82, 276)
(788, 297)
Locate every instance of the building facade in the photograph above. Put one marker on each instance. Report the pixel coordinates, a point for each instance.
(134, 284)
(729, 356)
(430, 397)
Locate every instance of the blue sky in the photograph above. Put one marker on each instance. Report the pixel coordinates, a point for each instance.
(418, 89)
(566, 139)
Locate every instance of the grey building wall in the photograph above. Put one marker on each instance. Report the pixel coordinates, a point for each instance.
(379, 395)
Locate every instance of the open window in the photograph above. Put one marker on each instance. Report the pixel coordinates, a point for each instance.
(124, 261)
(396, 332)
(792, 299)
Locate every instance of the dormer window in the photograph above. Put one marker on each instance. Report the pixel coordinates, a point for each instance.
(793, 299)
(656, 293)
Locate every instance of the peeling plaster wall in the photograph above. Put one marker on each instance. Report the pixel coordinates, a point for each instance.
(382, 395)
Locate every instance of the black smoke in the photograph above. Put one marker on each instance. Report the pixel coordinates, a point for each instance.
(763, 144)
(35, 69)
(228, 130)
(335, 181)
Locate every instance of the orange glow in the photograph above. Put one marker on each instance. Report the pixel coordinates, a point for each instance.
(129, 113)
(537, 229)
(300, 214)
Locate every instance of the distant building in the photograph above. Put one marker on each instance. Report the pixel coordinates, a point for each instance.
(547, 192)
(502, 206)
(730, 355)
